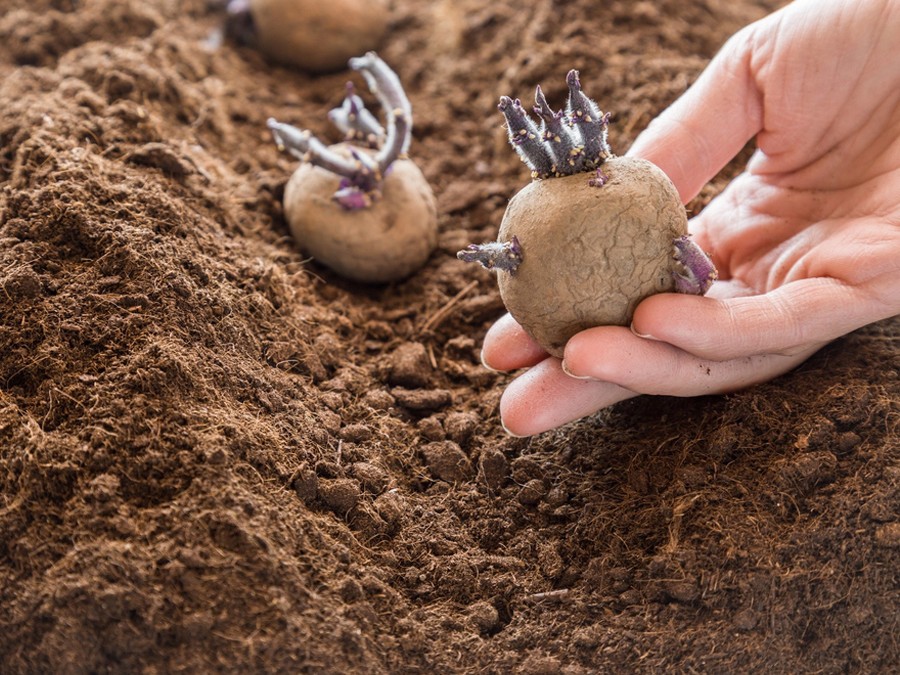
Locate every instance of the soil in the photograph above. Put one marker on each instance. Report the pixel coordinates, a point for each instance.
(217, 456)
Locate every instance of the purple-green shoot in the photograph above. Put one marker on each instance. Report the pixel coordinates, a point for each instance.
(354, 120)
(556, 133)
(592, 124)
(494, 255)
(694, 271)
(567, 142)
(526, 139)
(361, 175)
(384, 83)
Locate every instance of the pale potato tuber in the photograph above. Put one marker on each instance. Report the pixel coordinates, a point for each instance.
(312, 35)
(386, 241)
(602, 251)
(593, 234)
(361, 207)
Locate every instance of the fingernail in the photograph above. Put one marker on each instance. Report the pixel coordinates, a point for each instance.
(503, 424)
(484, 363)
(565, 369)
(645, 336)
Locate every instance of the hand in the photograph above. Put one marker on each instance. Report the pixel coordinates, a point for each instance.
(806, 239)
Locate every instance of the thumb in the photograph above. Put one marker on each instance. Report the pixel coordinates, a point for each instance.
(695, 137)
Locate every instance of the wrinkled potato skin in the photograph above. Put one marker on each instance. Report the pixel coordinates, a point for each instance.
(590, 254)
(318, 35)
(386, 242)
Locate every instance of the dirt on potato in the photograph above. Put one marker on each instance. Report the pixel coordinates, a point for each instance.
(218, 456)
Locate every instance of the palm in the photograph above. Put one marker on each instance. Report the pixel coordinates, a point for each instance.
(764, 236)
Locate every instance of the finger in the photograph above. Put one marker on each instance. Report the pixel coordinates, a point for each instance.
(693, 139)
(790, 318)
(544, 397)
(508, 347)
(615, 355)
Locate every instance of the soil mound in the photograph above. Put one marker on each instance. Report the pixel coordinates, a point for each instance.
(217, 456)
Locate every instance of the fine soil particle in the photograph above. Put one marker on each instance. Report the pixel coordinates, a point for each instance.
(218, 456)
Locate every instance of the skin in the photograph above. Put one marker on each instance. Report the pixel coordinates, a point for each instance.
(806, 239)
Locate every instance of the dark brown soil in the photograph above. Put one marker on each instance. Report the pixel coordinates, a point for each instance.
(217, 456)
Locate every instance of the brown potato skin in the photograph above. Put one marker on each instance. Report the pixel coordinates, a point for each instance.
(590, 254)
(318, 35)
(385, 242)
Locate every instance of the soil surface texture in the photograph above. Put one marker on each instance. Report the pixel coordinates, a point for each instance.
(218, 456)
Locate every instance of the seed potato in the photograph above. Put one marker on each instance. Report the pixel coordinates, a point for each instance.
(591, 253)
(385, 242)
(318, 36)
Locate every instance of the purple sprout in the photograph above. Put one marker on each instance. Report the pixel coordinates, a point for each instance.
(557, 138)
(505, 256)
(355, 121)
(600, 179)
(694, 271)
(567, 142)
(361, 175)
(526, 139)
(591, 123)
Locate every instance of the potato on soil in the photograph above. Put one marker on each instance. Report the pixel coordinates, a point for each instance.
(385, 242)
(316, 35)
(592, 253)
(361, 207)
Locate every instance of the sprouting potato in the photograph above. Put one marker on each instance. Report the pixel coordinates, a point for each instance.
(593, 234)
(385, 241)
(361, 207)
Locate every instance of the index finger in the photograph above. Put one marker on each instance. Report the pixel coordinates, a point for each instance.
(695, 137)
(787, 319)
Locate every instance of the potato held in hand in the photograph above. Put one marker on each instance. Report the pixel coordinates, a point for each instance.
(360, 207)
(602, 251)
(593, 235)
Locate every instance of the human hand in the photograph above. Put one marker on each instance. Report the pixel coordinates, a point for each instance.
(806, 239)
